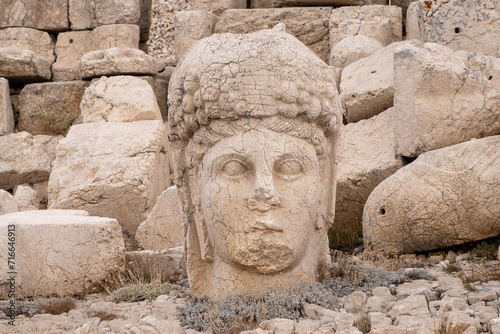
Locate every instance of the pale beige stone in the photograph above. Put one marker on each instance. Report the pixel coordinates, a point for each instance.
(190, 27)
(166, 265)
(378, 320)
(37, 41)
(437, 200)
(50, 108)
(260, 4)
(308, 24)
(8, 203)
(60, 252)
(278, 326)
(254, 123)
(117, 61)
(119, 99)
(415, 305)
(444, 97)
(163, 228)
(367, 85)
(25, 158)
(26, 198)
(336, 3)
(383, 23)
(43, 15)
(351, 49)
(160, 88)
(453, 304)
(355, 302)
(217, 6)
(6, 113)
(460, 25)
(418, 287)
(366, 157)
(116, 35)
(459, 319)
(113, 169)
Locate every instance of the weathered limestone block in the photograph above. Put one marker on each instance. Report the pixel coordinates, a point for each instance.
(26, 55)
(351, 49)
(117, 61)
(114, 169)
(190, 27)
(72, 45)
(8, 203)
(437, 200)
(367, 85)
(309, 24)
(6, 113)
(89, 14)
(119, 99)
(260, 4)
(383, 23)
(254, 122)
(160, 88)
(61, 252)
(163, 228)
(26, 198)
(217, 6)
(444, 97)
(25, 158)
(458, 24)
(281, 3)
(50, 108)
(166, 265)
(43, 15)
(366, 157)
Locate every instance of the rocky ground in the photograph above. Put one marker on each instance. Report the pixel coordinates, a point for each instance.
(460, 294)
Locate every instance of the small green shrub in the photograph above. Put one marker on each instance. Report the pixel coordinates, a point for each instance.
(141, 291)
(485, 250)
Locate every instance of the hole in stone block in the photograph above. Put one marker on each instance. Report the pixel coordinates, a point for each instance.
(490, 77)
(457, 30)
(70, 41)
(374, 71)
(382, 211)
(407, 160)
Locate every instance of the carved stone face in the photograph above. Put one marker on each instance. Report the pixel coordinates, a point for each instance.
(260, 199)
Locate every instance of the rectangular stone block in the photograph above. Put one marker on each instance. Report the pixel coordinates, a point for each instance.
(217, 6)
(25, 158)
(308, 24)
(6, 113)
(111, 169)
(458, 24)
(336, 3)
(190, 27)
(50, 108)
(383, 23)
(444, 97)
(261, 4)
(43, 15)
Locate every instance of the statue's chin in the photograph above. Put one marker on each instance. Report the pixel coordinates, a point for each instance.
(265, 258)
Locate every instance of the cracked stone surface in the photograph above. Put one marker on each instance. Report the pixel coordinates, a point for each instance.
(60, 251)
(163, 228)
(117, 61)
(308, 24)
(119, 99)
(8, 203)
(6, 113)
(25, 158)
(468, 25)
(111, 169)
(217, 6)
(50, 108)
(72, 45)
(444, 97)
(437, 200)
(352, 48)
(26, 198)
(254, 125)
(49, 16)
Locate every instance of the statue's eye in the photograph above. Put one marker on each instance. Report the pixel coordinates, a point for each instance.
(234, 168)
(289, 168)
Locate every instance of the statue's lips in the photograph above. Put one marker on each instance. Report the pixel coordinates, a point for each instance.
(263, 224)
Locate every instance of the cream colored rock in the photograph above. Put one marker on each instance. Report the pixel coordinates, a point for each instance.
(351, 49)
(6, 113)
(59, 252)
(460, 25)
(437, 200)
(260, 4)
(190, 27)
(367, 85)
(113, 169)
(444, 97)
(415, 305)
(383, 23)
(309, 24)
(117, 61)
(50, 16)
(8, 203)
(119, 99)
(26, 198)
(217, 6)
(163, 228)
(72, 45)
(26, 55)
(50, 108)
(281, 3)
(25, 158)
(367, 156)
(167, 265)
(254, 125)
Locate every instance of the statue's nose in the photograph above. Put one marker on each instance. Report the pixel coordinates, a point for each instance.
(265, 197)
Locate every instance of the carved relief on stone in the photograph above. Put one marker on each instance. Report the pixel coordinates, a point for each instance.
(254, 125)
